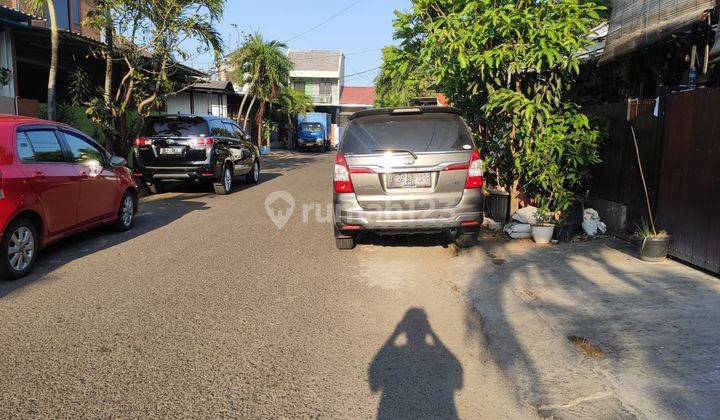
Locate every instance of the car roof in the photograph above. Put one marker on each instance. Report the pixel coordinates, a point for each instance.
(204, 117)
(23, 120)
(407, 110)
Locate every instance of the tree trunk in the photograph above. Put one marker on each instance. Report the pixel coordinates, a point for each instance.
(242, 103)
(259, 118)
(247, 114)
(52, 74)
(107, 94)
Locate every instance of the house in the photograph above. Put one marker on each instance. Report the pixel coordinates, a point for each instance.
(202, 98)
(320, 74)
(354, 99)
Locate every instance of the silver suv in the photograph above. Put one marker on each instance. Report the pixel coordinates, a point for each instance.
(407, 170)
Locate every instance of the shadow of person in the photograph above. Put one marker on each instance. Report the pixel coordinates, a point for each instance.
(415, 372)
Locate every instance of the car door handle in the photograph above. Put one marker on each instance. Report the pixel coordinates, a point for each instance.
(38, 176)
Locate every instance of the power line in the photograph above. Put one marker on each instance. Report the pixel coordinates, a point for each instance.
(323, 22)
(361, 72)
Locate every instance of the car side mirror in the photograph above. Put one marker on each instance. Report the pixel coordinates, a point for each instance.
(117, 162)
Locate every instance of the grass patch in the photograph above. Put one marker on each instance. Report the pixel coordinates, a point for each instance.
(589, 349)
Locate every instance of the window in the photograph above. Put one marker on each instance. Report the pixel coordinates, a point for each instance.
(83, 152)
(24, 150)
(45, 147)
(326, 88)
(299, 86)
(428, 132)
(171, 126)
(234, 129)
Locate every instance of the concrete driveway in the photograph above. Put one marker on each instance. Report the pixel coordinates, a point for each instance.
(207, 309)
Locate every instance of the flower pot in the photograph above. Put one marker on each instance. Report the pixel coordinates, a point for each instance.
(497, 205)
(264, 150)
(542, 234)
(655, 248)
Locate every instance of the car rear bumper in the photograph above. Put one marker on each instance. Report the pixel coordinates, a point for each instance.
(176, 173)
(467, 215)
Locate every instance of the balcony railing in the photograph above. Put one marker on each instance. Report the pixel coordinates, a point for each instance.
(321, 99)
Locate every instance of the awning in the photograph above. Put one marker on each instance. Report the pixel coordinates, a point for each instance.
(635, 24)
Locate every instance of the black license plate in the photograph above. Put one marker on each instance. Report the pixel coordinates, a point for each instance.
(409, 180)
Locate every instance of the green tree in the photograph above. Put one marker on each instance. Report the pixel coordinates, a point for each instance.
(507, 65)
(290, 103)
(148, 38)
(40, 7)
(401, 78)
(264, 67)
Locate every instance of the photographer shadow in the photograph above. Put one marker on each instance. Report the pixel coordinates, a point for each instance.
(415, 372)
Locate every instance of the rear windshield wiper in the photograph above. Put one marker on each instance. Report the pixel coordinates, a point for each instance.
(395, 151)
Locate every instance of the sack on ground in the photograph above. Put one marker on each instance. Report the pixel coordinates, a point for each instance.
(526, 215)
(517, 230)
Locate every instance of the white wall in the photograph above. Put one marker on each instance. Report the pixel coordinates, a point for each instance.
(198, 103)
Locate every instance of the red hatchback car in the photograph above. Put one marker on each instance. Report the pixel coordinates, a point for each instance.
(55, 182)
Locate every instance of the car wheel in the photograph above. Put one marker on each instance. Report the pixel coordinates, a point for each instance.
(126, 213)
(466, 240)
(155, 187)
(19, 249)
(253, 176)
(224, 185)
(344, 241)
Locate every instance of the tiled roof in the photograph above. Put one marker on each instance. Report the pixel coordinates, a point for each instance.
(357, 95)
(221, 85)
(315, 60)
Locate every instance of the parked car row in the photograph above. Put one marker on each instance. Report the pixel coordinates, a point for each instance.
(55, 181)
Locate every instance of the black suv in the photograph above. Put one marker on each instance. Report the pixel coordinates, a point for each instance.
(194, 148)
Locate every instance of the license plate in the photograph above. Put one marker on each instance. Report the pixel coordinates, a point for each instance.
(171, 150)
(409, 180)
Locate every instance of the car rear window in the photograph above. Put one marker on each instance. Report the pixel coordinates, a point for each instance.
(428, 132)
(174, 127)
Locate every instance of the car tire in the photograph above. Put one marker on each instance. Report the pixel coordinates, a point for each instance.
(343, 241)
(14, 237)
(126, 213)
(224, 185)
(155, 187)
(466, 240)
(254, 175)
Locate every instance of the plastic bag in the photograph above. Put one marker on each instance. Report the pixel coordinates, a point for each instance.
(591, 222)
(526, 215)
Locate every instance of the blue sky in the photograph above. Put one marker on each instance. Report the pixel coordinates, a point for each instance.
(361, 31)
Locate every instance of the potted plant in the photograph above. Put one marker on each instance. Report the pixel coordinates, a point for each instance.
(542, 229)
(654, 246)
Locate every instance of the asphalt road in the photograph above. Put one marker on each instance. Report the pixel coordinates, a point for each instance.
(207, 309)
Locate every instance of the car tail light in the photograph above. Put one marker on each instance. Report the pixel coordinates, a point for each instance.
(201, 142)
(2, 194)
(341, 177)
(143, 141)
(475, 171)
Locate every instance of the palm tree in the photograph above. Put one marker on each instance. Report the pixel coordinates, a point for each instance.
(38, 7)
(264, 67)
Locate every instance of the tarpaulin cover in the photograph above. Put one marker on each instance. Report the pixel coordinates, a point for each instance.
(637, 23)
